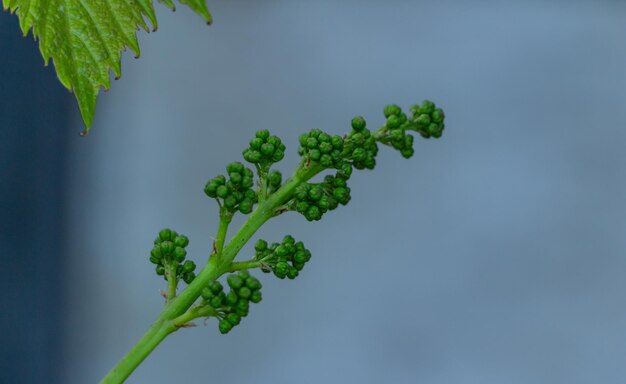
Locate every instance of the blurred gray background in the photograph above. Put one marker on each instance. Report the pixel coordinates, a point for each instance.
(495, 255)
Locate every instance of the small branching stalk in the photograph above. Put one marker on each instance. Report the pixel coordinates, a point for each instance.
(262, 198)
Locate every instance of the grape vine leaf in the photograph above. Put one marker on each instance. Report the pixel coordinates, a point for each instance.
(85, 38)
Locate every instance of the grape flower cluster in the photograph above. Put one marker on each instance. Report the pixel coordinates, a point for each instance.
(236, 193)
(285, 259)
(234, 305)
(264, 149)
(169, 255)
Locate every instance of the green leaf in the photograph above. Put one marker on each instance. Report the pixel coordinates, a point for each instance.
(84, 38)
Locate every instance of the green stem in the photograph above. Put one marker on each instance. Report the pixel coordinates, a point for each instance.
(225, 219)
(194, 313)
(172, 282)
(239, 265)
(157, 332)
(175, 309)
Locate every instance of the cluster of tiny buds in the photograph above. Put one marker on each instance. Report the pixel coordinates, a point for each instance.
(426, 119)
(236, 193)
(285, 259)
(234, 305)
(320, 147)
(360, 146)
(313, 200)
(264, 149)
(169, 256)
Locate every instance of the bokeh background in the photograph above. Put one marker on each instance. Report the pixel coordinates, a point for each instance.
(495, 255)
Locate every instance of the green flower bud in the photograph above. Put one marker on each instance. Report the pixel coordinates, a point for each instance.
(210, 189)
(313, 213)
(253, 283)
(311, 143)
(260, 246)
(188, 277)
(392, 109)
(167, 247)
(326, 161)
(281, 269)
(315, 154)
(256, 143)
(181, 241)
(244, 292)
(230, 201)
(245, 206)
(216, 302)
(156, 253)
(326, 146)
(234, 281)
(302, 206)
(437, 116)
(396, 134)
(242, 305)
(346, 170)
(278, 155)
(300, 257)
(222, 191)
(275, 178)
(339, 182)
(189, 266)
(281, 251)
(207, 294)
(247, 181)
(292, 273)
(315, 192)
(252, 156)
(393, 122)
(337, 142)
(263, 134)
(235, 178)
(427, 107)
(358, 154)
(244, 274)
(180, 254)
(225, 327)
(407, 152)
(235, 167)
(160, 270)
(341, 195)
(423, 119)
(302, 191)
(275, 141)
(215, 287)
(256, 297)
(358, 123)
(166, 234)
(250, 194)
(231, 298)
(233, 318)
(267, 149)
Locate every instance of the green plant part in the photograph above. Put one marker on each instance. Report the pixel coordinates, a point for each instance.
(268, 197)
(84, 39)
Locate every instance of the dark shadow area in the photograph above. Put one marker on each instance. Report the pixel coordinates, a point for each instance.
(34, 120)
